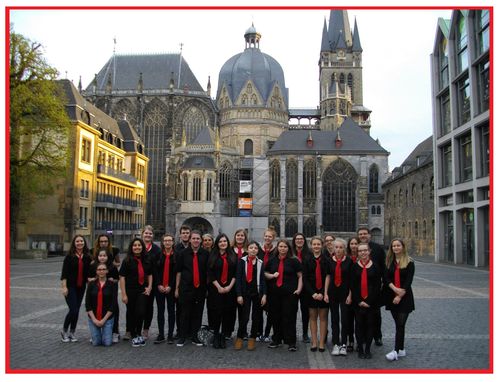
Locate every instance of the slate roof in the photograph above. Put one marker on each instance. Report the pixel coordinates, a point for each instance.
(356, 43)
(199, 162)
(354, 141)
(156, 72)
(293, 113)
(204, 137)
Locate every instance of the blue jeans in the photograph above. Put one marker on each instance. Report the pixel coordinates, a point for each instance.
(102, 336)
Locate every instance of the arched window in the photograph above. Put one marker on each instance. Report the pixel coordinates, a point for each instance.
(409, 229)
(244, 99)
(379, 210)
(422, 193)
(291, 180)
(275, 183)
(225, 180)
(197, 188)
(342, 78)
(350, 81)
(209, 190)
(310, 227)
(339, 197)
(374, 210)
(185, 184)
(248, 149)
(414, 194)
(403, 230)
(192, 123)
(424, 230)
(291, 227)
(309, 180)
(416, 229)
(373, 180)
(254, 99)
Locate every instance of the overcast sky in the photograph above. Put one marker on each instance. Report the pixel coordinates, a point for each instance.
(396, 48)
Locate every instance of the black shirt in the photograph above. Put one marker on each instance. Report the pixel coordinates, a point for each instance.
(373, 276)
(185, 268)
(309, 276)
(130, 270)
(112, 271)
(339, 293)
(291, 266)
(70, 269)
(159, 267)
(215, 270)
(108, 297)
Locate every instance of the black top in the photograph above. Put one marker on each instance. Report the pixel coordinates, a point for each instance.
(304, 254)
(153, 252)
(70, 269)
(309, 276)
(291, 266)
(130, 270)
(243, 288)
(262, 254)
(112, 271)
(407, 303)
(108, 297)
(215, 270)
(243, 252)
(159, 268)
(377, 254)
(179, 247)
(185, 268)
(373, 276)
(339, 293)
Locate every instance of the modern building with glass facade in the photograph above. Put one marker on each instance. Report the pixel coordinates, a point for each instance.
(461, 117)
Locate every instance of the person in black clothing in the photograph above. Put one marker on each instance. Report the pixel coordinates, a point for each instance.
(191, 288)
(184, 235)
(284, 272)
(207, 242)
(398, 275)
(136, 284)
(301, 251)
(74, 276)
(315, 276)
(352, 253)
(251, 291)
(104, 241)
(328, 249)
(339, 296)
(365, 292)
(221, 300)
(164, 273)
(100, 304)
(378, 257)
(266, 252)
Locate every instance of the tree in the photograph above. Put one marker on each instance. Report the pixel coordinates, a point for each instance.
(38, 126)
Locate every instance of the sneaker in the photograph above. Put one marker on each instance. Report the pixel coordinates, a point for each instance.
(292, 348)
(336, 350)
(136, 342)
(196, 342)
(142, 341)
(259, 339)
(65, 337)
(392, 356)
(159, 339)
(267, 339)
(402, 353)
(116, 338)
(127, 336)
(170, 340)
(273, 345)
(72, 337)
(343, 350)
(181, 342)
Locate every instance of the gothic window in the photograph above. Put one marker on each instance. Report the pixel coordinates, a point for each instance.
(373, 180)
(342, 78)
(406, 198)
(192, 123)
(185, 187)
(125, 109)
(225, 180)
(350, 81)
(254, 99)
(379, 210)
(248, 149)
(374, 211)
(415, 231)
(291, 227)
(197, 188)
(424, 230)
(310, 227)
(209, 190)
(244, 99)
(309, 181)
(339, 197)
(275, 177)
(291, 180)
(403, 230)
(414, 194)
(249, 88)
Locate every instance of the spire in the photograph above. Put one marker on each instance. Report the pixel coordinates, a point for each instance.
(80, 84)
(356, 43)
(341, 41)
(325, 44)
(339, 25)
(209, 87)
(109, 84)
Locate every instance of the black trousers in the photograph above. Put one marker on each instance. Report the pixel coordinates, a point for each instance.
(365, 321)
(400, 321)
(283, 315)
(250, 304)
(304, 313)
(116, 313)
(149, 311)
(191, 305)
(377, 325)
(350, 323)
(221, 310)
(340, 323)
(169, 298)
(74, 300)
(136, 310)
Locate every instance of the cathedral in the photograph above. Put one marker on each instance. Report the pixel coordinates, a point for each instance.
(246, 158)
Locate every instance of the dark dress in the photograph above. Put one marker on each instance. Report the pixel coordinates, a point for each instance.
(309, 279)
(407, 303)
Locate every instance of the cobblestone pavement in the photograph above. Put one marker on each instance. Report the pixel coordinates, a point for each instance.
(452, 314)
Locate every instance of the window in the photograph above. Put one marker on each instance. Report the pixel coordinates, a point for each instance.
(415, 231)
(350, 82)
(209, 190)
(291, 227)
(463, 101)
(309, 180)
(414, 194)
(275, 223)
(424, 230)
(484, 150)
(275, 184)
(447, 165)
(310, 227)
(406, 198)
(248, 149)
(185, 185)
(422, 193)
(84, 188)
(373, 180)
(225, 180)
(465, 164)
(484, 86)
(443, 64)
(388, 198)
(409, 229)
(101, 159)
(342, 78)
(445, 114)
(431, 189)
(197, 188)
(140, 173)
(461, 44)
(83, 217)
(85, 150)
(482, 22)
(291, 180)
(400, 197)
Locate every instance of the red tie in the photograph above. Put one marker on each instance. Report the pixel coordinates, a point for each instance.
(338, 272)
(240, 253)
(266, 256)
(140, 270)
(364, 281)
(279, 283)
(249, 269)
(223, 277)
(99, 301)
(166, 270)
(196, 271)
(299, 255)
(397, 279)
(319, 281)
(79, 280)
(148, 247)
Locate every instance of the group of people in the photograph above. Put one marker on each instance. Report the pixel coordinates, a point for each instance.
(245, 281)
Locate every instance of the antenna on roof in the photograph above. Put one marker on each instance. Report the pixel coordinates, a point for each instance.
(180, 62)
(114, 59)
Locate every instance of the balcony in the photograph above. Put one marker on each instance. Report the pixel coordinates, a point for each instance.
(104, 225)
(110, 201)
(102, 169)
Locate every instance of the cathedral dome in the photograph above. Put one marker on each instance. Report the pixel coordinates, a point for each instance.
(260, 68)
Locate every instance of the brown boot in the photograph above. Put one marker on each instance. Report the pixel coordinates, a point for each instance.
(238, 344)
(251, 344)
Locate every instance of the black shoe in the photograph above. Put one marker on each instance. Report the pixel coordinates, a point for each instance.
(368, 355)
(378, 342)
(160, 339)
(292, 348)
(321, 350)
(306, 339)
(170, 340)
(313, 349)
(361, 355)
(197, 342)
(216, 342)
(273, 345)
(181, 341)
